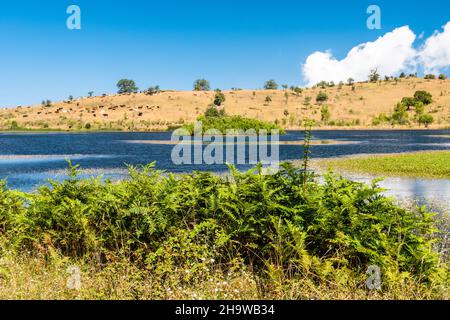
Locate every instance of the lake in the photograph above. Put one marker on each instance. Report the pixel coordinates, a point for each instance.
(27, 160)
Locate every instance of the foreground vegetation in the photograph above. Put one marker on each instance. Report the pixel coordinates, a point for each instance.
(435, 164)
(200, 235)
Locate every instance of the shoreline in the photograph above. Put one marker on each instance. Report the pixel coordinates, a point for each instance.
(314, 129)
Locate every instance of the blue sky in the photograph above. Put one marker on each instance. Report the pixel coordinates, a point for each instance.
(172, 43)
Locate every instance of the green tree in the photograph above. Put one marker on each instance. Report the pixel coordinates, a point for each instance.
(350, 81)
(408, 102)
(423, 96)
(126, 86)
(90, 93)
(201, 85)
(426, 119)
(374, 76)
(442, 76)
(419, 108)
(271, 85)
(430, 76)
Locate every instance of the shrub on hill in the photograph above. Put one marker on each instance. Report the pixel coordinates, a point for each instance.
(201, 85)
(271, 85)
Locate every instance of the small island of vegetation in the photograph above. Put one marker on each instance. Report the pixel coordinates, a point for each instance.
(431, 164)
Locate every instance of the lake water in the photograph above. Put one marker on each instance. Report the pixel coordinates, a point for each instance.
(27, 160)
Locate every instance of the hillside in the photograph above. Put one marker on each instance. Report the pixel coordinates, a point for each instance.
(348, 107)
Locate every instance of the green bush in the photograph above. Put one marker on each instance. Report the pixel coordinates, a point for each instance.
(325, 114)
(289, 220)
(214, 112)
(223, 123)
(400, 115)
(426, 119)
(219, 98)
(321, 97)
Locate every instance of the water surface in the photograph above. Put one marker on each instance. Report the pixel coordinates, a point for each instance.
(27, 160)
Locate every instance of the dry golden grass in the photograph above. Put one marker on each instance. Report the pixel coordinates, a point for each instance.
(40, 278)
(143, 112)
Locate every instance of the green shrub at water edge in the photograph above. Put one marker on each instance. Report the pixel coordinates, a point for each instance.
(223, 123)
(282, 225)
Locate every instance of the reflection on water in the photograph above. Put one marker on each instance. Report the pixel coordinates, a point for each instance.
(434, 193)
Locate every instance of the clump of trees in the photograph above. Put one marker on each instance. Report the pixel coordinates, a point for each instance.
(325, 84)
(46, 103)
(400, 114)
(153, 90)
(126, 86)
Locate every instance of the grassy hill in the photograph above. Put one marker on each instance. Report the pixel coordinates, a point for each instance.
(348, 107)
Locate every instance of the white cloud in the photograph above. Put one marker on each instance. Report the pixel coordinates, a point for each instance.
(390, 54)
(435, 53)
